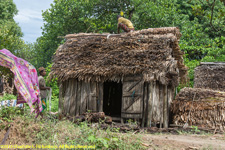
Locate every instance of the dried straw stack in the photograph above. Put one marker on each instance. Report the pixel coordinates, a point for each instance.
(210, 76)
(152, 53)
(200, 107)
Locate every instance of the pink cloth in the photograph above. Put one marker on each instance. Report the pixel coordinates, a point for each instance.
(25, 80)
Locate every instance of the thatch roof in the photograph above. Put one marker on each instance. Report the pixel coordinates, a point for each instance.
(199, 107)
(210, 75)
(152, 53)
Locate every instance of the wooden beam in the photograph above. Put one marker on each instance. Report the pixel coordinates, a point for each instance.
(212, 63)
(89, 35)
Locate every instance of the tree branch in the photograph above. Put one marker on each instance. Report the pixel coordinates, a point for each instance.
(212, 12)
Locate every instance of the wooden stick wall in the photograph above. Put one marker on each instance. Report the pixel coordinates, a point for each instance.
(76, 98)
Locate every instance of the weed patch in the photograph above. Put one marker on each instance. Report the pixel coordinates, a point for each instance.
(28, 130)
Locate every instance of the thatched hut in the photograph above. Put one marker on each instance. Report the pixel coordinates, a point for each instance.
(127, 76)
(210, 75)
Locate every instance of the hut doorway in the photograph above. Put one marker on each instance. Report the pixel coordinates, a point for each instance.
(112, 99)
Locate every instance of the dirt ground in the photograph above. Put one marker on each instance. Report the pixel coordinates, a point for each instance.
(184, 142)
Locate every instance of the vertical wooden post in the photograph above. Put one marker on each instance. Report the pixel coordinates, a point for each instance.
(78, 98)
(66, 98)
(170, 99)
(92, 103)
(144, 105)
(154, 102)
(165, 107)
(97, 96)
(82, 98)
(60, 108)
(150, 104)
(85, 96)
(69, 95)
(100, 96)
(161, 98)
(73, 97)
(94, 96)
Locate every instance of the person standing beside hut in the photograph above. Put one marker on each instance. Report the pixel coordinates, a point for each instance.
(42, 87)
(124, 24)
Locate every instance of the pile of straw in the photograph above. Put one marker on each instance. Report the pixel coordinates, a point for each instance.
(199, 107)
(210, 76)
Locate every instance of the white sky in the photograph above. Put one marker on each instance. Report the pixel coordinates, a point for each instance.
(29, 17)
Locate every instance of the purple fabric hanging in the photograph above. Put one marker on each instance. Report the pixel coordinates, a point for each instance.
(25, 80)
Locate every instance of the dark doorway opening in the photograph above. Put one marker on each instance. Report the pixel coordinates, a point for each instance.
(112, 99)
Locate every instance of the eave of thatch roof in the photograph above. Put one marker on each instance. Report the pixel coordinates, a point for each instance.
(151, 53)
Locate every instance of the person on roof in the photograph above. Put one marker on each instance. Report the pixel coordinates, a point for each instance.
(124, 24)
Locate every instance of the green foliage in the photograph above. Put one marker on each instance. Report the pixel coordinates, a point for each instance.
(195, 128)
(105, 139)
(55, 89)
(10, 32)
(191, 64)
(8, 113)
(7, 96)
(7, 9)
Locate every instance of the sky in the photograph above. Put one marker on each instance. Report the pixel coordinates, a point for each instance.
(29, 17)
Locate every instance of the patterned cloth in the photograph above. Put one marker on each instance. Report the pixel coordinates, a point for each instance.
(25, 80)
(44, 104)
(10, 103)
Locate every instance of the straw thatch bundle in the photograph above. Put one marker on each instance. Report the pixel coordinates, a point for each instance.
(199, 107)
(210, 76)
(152, 53)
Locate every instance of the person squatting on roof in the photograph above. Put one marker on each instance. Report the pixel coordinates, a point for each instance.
(124, 24)
(42, 87)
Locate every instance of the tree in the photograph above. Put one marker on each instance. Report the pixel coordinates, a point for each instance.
(10, 32)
